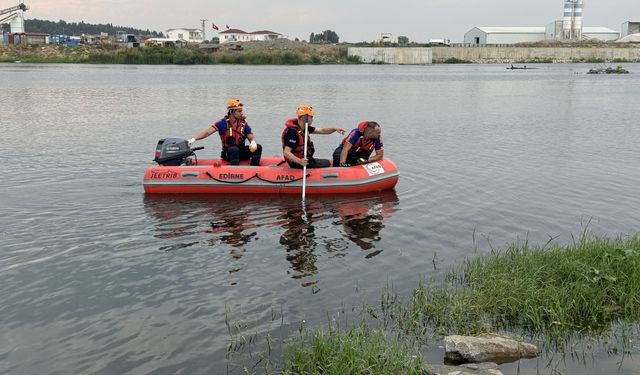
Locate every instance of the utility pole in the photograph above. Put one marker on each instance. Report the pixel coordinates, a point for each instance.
(204, 34)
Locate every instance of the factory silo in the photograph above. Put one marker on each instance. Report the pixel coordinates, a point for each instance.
(572, 19)
(577, 20)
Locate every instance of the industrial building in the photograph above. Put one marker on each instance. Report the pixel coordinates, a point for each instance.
(513, 35)
(569, 28)
(629, 28)
(14, 16)
(503, 35)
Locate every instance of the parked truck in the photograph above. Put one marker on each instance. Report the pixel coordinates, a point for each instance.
(440, 42)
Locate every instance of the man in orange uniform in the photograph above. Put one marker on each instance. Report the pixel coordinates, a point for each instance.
(293, 140)
(234, 130)
(357, 147)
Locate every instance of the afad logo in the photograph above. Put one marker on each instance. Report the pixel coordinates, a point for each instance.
(373, 169)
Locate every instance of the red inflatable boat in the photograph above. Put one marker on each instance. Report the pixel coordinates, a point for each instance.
(271, 177)
(180, 172)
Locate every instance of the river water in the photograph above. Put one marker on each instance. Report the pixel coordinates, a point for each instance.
(96, 277)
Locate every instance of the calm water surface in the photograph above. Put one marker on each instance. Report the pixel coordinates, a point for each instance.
(95, 277)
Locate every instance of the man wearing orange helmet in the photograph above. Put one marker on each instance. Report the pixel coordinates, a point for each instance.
(234, 130)
(357, 147)
(293, 140)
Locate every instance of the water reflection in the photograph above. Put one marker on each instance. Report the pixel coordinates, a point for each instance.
(299, 237)
(326, 227)
(363, 220)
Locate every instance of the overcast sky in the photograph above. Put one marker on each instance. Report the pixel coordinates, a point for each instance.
(353, 20)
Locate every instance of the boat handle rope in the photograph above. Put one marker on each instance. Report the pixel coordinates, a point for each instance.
(252, 177)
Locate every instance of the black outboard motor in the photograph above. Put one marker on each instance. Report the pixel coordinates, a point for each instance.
(172, 152)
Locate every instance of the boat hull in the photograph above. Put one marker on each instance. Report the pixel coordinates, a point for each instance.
(271, 177)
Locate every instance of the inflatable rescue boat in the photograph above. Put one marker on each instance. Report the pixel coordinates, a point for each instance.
(181, 172)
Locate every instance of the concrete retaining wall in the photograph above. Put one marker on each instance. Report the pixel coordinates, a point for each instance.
(392, 55)
(492, 55)
(525, 54)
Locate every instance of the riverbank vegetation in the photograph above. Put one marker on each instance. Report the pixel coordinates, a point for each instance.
(175, 55)
(547, 293)
(557, 295)
(360, 350)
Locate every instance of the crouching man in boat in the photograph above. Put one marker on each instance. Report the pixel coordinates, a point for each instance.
(293, 140)
(357, 147)
(234, 130)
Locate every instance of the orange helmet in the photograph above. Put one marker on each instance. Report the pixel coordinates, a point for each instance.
(234, 104)
(304, 109)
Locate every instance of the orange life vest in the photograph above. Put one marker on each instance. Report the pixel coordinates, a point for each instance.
(362, 146)
(234, 135)
(299, 150)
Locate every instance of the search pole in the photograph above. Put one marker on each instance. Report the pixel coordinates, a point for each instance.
(304, 168)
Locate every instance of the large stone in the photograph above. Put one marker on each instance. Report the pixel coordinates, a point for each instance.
(467, 369)
(486, 348)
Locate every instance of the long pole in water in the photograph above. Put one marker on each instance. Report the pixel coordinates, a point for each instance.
(304, 168)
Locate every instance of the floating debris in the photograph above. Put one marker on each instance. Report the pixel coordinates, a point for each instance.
(519, 67)
(609, 70)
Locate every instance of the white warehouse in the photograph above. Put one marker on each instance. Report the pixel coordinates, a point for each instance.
(513, 35)
(503, 35)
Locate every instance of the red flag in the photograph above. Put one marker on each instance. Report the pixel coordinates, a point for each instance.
(214, 26)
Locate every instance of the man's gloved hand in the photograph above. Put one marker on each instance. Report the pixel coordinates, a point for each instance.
(345, 164)
(362, 161)
(191, 141)
(253, 146)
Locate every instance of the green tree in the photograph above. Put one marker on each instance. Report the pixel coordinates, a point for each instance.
(403, 40)
(79, 28)
(327, 36)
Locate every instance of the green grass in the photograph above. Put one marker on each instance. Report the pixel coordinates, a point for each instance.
(361, 350)
(553, 294)
(563, 297)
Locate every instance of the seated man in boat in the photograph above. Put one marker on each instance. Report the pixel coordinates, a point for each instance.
(357, 147)
(293, 140)
(234, 130)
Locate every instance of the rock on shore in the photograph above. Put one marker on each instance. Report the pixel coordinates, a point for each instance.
(486, 348)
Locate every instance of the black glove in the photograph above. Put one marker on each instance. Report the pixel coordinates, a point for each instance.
(345, 164)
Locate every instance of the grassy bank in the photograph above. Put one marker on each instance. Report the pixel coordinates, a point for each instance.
(553, 294)
(361, 350)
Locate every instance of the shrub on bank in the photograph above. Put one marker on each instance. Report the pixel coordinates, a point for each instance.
(151, 55)
(455, 60)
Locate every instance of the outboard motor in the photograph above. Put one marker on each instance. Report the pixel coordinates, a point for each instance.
(172, 152)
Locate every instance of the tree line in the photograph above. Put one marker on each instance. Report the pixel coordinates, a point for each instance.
(327, 36)
(78, 28)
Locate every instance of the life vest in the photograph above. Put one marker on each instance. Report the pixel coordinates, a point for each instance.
(234, 135)
(362, 146)
(299, 150)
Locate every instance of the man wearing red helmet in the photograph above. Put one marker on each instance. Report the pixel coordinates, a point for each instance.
(293, 140)
(234, 130)
(357, 147)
